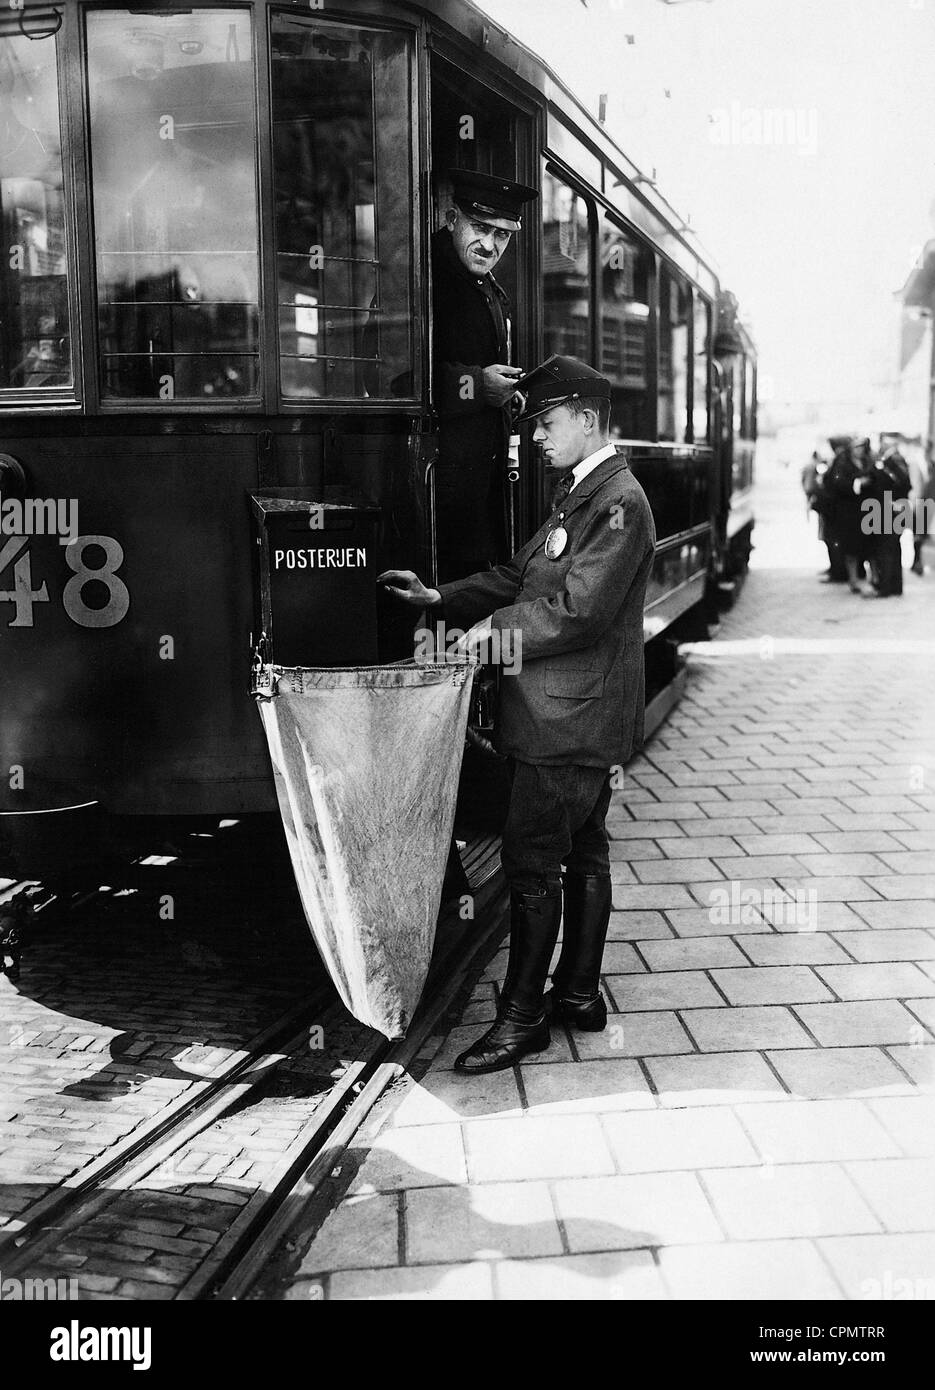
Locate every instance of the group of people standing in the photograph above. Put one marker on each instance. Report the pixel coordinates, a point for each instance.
(863, 542)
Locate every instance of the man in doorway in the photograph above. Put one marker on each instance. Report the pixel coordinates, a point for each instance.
(572, 710)
(474, 376)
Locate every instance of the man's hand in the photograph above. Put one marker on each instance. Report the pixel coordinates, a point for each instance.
(500, 383)
(409, 587)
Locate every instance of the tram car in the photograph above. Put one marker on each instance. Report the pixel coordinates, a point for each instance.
(216, 330)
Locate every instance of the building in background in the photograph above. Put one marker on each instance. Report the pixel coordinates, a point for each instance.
(916, 384)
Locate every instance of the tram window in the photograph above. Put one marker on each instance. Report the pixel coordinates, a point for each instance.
(674, 322)
(566, 270)
(173, 166)
(702, 321)
(749, 399)
(626, 277)
(737, 375)
(35, 332)
(343, 185)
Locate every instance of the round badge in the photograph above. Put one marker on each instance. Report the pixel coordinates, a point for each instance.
(555, 542)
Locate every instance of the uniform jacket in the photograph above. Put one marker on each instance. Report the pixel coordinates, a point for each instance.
(578, 695)
(470, 316)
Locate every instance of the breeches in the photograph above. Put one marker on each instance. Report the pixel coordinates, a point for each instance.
(556, 816)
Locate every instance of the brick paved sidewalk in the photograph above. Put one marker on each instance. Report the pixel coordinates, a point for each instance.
(758, 1120)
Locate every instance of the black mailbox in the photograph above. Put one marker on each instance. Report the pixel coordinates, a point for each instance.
(317, 580)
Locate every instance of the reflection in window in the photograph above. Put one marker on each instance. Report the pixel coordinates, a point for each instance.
(674, 320)
(566, 270)
(342, 170)
(626, 277)
(702, 339)
(35, 339)
(173, 161)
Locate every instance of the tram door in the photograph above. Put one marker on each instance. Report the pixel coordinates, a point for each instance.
(477, 129)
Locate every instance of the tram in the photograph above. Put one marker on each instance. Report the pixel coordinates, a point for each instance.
(210, 215)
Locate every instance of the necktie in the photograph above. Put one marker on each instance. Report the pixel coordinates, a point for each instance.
(562, 488)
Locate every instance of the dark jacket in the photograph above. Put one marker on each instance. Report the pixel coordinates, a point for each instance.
(579, 693)
(469, 326)
(845, 502)
(891, 474)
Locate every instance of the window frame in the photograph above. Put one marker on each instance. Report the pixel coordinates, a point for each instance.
(678, 277)
(84, 397)
(95, 403)
(376, 17)
(61, 399)
(560, 172)
(699, 297)
(614, 219)
(749, 396)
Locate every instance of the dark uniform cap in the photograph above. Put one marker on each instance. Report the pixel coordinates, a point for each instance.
(490, 199)
(557, 380)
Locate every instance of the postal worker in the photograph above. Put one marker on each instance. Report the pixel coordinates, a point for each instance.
(570, 713)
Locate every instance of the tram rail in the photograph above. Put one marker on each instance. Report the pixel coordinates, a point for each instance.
(293, 1199)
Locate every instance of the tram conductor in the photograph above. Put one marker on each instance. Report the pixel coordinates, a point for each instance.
(571, 710)
(473, 372)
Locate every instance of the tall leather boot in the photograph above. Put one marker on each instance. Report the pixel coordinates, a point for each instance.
(521, 1025)
(575, 996)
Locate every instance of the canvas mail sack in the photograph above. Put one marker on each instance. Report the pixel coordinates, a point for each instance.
(366, 762)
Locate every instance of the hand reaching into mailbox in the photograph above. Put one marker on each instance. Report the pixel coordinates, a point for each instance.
(409, 587)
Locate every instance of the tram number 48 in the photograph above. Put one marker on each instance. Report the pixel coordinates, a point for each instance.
(15, 556)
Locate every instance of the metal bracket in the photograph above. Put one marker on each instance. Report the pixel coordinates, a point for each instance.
(262, 679)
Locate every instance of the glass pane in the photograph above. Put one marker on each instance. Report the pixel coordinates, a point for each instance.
(626, 268)
(566, 270)
(749, 399)
(173, 164)
(674, 320)
(35, 333)
(702, 340)
(343, 183)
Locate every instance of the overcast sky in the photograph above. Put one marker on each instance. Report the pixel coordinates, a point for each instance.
(815, 236)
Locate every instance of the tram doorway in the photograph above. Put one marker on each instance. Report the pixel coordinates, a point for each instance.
(479, 509)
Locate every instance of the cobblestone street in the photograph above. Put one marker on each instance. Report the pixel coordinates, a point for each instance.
(119, 1013)
(758, 1120)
